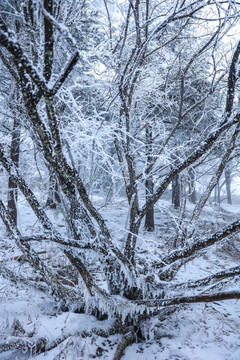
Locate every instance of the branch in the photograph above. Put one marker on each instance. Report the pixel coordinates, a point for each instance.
(61, 28)
(106, 246)
(136, 56)
(20, 57)
(209, 280)
(228, 295)
(201, 244)
(51, 279)
(127, 339)
(17, 278)
(215, 178)
(48, 42)
(6, 62)
(232, 79)
(21, 257)
(109, 22)
(201, 150)
(62, 77)
(33, 346)
(207, 144)
(59, 240)
(27, 192)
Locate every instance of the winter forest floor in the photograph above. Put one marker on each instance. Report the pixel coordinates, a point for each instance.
(202, 331)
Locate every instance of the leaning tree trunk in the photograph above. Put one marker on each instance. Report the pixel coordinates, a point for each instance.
(12, 186)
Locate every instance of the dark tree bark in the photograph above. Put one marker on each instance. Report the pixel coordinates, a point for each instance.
(14, 156)
(149, 219)
(228, 185)
(48, 41)
(149, 186)
(53, 193)
(176, 191)
(227, 295)
(218, 194)
(192, 189)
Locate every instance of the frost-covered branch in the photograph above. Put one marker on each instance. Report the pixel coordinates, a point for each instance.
(48, 43)
(105, 246)
(126, 340)
(35, 346)
(209, 280)
(60, 27)
(232, 79)
(63, 76)
(20, 58)
(8, 65)
(196, 154)
(58, 290)
(201, 244)
(227, 295)
(214, 180)
(17, 278)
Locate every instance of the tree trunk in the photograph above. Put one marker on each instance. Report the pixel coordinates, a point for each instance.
(192, 189)
(215, 194)
(176, 190)
(218, 194)
(12, 186)
(228, 185)
(53, 195)
(133, 228)
(149, 219)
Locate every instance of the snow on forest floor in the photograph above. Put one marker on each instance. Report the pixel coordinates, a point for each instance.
(193, 332)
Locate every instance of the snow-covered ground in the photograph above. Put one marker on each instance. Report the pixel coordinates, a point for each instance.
(202, 331)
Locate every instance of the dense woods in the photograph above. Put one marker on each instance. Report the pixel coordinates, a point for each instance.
(110, 101)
